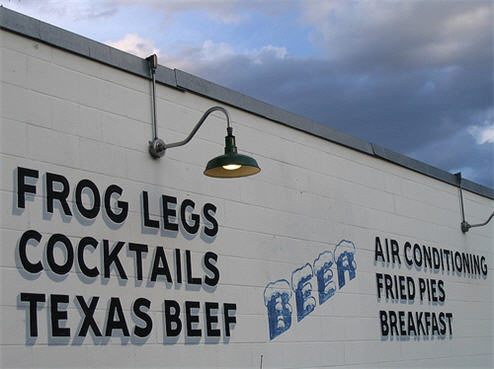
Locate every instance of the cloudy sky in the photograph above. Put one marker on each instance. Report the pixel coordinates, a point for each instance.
(413, 76)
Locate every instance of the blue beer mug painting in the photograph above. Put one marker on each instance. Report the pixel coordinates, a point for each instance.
(344, 254)
(324, 275)
(276, 298)
(301, 284)
(320, 274)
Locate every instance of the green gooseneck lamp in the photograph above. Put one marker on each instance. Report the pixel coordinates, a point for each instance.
(229, 165)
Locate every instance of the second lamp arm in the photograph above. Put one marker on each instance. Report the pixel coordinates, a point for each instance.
(157, 146)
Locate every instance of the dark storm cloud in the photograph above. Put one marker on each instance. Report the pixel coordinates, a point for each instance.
(397, 35)
(460, 152)
(411, 76)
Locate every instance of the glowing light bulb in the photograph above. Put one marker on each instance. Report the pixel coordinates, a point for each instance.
(231, 166)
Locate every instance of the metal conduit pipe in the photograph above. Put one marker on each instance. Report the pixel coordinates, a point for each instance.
(465, 226)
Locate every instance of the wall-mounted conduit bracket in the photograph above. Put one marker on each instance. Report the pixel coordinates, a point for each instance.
(465, 226)
(156, 145)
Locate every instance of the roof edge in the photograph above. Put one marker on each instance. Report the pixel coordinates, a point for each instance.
(96, 51)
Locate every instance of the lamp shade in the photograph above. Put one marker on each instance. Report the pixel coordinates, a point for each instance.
(231, 164)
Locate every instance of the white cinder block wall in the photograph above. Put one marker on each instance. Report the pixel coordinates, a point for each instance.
(64, 114)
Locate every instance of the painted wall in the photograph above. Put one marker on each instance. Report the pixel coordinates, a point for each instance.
(296, 267)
